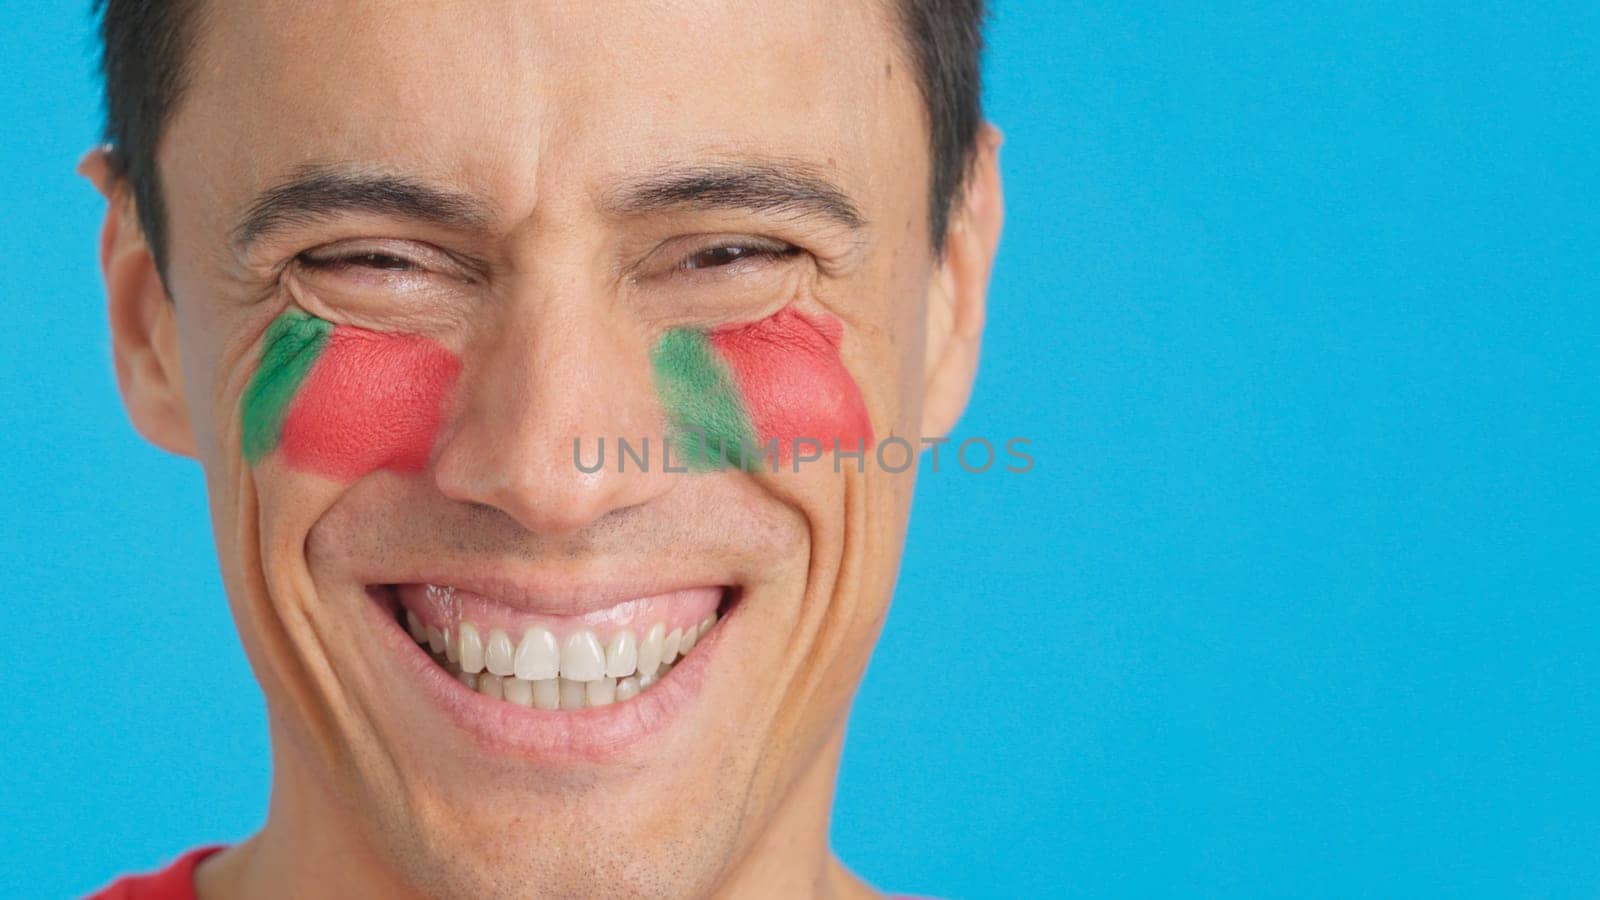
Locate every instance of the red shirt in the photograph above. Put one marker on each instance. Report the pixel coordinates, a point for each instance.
(175, 882)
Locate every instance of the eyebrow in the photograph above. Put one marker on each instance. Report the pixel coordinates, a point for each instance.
(790, 189)
(315, 192)
(318, 191)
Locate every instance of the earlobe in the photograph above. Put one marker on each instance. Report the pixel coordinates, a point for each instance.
(144, 326)
(959, 293)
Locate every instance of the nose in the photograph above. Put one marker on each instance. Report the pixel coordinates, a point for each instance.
(551, 372)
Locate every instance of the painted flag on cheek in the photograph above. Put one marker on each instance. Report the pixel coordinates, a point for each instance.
(730, 393)
(290, 347)
(342, 401)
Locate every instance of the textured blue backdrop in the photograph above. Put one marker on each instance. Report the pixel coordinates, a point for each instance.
(1298, 302)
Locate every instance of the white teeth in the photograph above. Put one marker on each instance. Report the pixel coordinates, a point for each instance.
(519, 691)
(470, 646)
(582, 659)
(419, 632)
(650, 650)
(497, 656)
(622, 657)
(601, 692)
(550, 674)
(537, 657)
(572, 694)
(491, 685)
(547, 694)
(627, 688)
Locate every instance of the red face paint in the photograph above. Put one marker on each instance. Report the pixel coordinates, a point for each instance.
(372, 401)
(343, 401)
(737, 390)
(793, 382)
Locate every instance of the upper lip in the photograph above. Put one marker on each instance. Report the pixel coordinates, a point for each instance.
(550, 593)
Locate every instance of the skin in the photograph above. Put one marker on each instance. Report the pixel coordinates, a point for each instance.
(552, 301)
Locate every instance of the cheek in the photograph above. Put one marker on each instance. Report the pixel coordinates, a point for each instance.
(373, 401)
(342, 402)
(793, 382)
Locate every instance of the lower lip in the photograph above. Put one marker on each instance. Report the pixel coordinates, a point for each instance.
(599, 734)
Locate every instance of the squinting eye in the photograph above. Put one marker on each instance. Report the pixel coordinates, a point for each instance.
(384, 261)
(712, 257)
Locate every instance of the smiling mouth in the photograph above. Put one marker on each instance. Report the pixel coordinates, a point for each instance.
(605, 656)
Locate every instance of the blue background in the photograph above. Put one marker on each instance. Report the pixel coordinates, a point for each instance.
(1298, 304)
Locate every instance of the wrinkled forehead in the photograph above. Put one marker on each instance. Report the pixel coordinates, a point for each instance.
(543, 105)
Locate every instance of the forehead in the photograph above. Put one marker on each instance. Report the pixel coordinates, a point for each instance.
(537, 102)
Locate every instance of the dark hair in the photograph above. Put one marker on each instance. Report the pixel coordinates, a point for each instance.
(946, 38)
(144, 56)
(146, 47)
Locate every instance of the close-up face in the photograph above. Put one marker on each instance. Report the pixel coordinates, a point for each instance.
(427, 263)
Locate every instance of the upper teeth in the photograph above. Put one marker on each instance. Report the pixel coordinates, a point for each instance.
(542, 671)
(537, 656)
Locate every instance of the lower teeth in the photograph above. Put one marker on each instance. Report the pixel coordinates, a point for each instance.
(555, 693)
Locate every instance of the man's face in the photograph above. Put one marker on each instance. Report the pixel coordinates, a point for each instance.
(510, 212)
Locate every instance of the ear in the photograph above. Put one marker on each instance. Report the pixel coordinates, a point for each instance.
(144, 323)
(960, 289)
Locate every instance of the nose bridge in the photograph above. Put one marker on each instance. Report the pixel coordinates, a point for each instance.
(556, 367)
(575, 366)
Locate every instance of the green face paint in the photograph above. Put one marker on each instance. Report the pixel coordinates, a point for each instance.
(709, 424)
(290, 347)
(342, 401)
(745, 387)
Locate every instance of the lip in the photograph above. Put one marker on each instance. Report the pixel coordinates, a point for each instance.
(584, 736)
(675, 609)
(548, 594)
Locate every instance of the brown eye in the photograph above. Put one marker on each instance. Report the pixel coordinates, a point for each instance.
(383, 261)
(714, 257)
(380, 261)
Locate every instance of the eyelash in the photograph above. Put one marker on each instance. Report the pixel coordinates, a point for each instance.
(387, 262)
